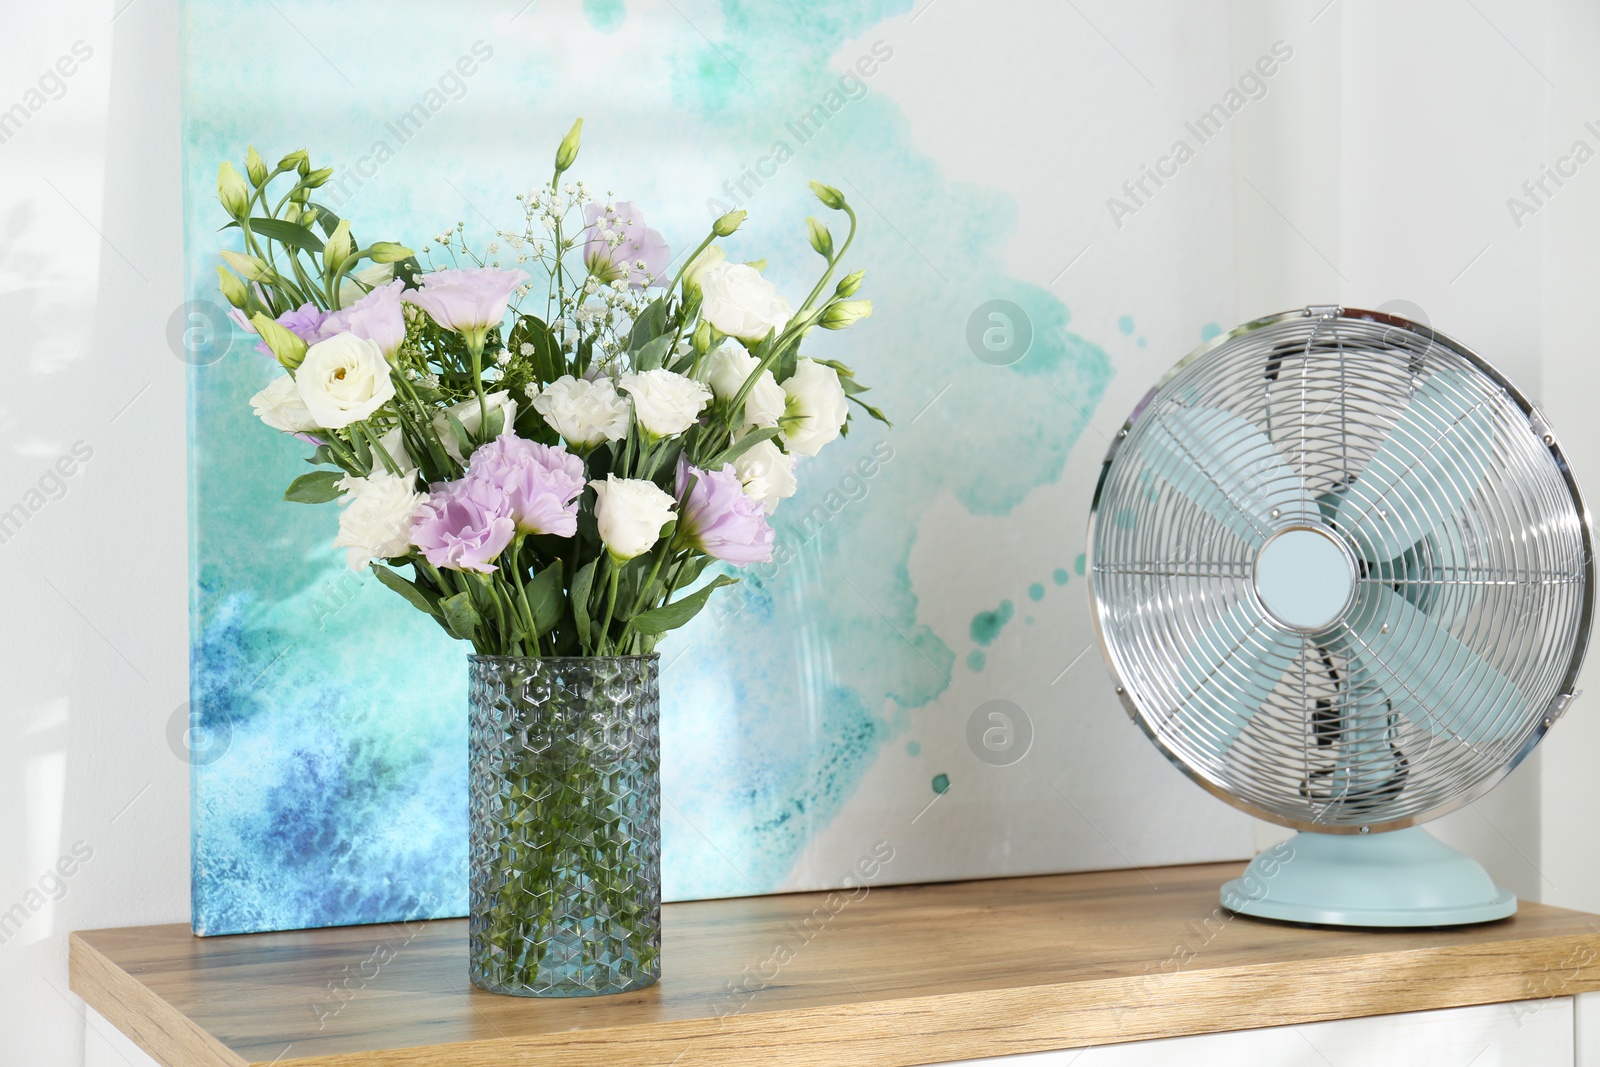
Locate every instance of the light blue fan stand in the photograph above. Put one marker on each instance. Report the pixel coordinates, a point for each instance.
(1401, 878)
(1408, 877)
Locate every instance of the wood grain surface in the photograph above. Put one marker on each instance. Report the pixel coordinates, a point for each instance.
(894, 976)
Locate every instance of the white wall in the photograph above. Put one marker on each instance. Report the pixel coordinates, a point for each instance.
(93, 644)
(1377, 169)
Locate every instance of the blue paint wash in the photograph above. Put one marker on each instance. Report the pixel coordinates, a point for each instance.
(1208, 331)
(1059, 577)
(913, 748)
(976, 660)
(1125, 324)
(1036, 591)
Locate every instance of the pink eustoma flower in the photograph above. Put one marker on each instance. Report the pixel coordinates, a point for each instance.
(637, 244)
(720, 519)
(541, 482)
(463, 525)
(467, 301)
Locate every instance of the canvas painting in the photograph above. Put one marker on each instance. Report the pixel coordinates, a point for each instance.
(910, 690)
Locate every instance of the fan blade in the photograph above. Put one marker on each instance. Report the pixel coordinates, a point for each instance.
(1426, 468)
(1430, 677)
(1229, 468)
(1239, 659)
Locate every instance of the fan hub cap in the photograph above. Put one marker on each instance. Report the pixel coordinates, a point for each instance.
(1305, 577)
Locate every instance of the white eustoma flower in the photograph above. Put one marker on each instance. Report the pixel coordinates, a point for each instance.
(630, 513)
(343, 380)
(585, 413)
(279, 406)
(665, 403)
(726, 371)
(470, 414)
(766, 473)
(741, 303)
(817, 408)
(375, 522)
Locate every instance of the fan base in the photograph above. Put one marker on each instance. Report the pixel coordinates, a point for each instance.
(1398, 879)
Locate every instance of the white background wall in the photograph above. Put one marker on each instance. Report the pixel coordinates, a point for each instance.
(93, 636)
(1377, 169)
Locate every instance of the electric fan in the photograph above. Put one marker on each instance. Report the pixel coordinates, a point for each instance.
(1342, 577)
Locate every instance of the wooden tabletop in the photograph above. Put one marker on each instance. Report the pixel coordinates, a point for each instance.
(903, 975)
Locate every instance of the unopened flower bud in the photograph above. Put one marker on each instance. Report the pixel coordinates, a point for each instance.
(567, 151)
(253, 269)
(821, 239)
(849, 284)
(232, 288)
(255, 166)
(829, 196)
(844, 314)
(316, 177)
(387, 251)
(290, 350)
(293, 160)
(727, 224)
(338, 246)
(232, 191)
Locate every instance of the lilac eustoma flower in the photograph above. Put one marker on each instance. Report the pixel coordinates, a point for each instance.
(467, 301)
(720, 519)
(463, 525)
(639, 243)
(541, 482)
(376, 317)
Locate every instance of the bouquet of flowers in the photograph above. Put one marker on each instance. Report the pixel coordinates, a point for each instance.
(555, 460)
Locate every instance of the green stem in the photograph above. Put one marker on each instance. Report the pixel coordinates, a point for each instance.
(611, 603)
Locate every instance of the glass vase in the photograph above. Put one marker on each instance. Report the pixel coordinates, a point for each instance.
(564, 776)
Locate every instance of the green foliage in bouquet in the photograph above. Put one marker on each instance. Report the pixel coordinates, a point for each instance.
(542, 469)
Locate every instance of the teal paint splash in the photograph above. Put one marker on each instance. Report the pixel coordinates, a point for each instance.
(977, 660)
(1125, 324)
(1079, 563)
(604, 15)
(913, 748)
(1208, 331)
(986, 625)
(1036, 591)
(1060, 576)
(941, 783)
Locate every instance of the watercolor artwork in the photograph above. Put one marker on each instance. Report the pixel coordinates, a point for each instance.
(910, 688)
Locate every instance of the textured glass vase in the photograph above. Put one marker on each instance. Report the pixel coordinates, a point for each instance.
(565, 885)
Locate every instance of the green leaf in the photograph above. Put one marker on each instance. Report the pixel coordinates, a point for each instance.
(289, 233)
(690, 572)
(318, 487)
(742, 445)
(545, 601)
(322, 457)
(417, 598)
(460, 617)
(327, 218)
(651, 323)
(545, 359)
(671, 616)
(580, 600)
(654, 352)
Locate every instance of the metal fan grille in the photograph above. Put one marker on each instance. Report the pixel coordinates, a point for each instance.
(1477, 548)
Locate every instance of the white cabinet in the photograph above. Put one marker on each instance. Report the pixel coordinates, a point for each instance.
(1520, 1034)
